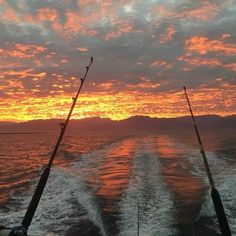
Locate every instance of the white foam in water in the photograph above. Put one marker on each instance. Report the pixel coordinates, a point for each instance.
(67, 199)
(224, 176)
(147, 197)
(59, 207)
(194, 156)
(64, 195)
(227, 192)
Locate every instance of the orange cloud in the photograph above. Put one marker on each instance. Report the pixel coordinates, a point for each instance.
(77, 22)
(10, 15)
(205, 11)
(161, 63)
(231, 66)
(168, 35)
(16, 84)
(144, 85)
(203, 45)
(225, 36)
(21, 74)
(82, 22)
(45, 14)
(82, 49)
(74, 21)
(162, 11)
(121, 105)
(92, 32)
(21, 50)
(122, 28)
(9, 65)
(199, 61)
(106, 86)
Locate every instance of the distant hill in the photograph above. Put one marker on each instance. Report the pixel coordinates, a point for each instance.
(134, 123)
(5, 123)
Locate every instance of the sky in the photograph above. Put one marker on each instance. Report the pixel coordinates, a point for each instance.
(144, 52)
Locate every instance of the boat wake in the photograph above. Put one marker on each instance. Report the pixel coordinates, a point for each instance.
(65, 202)
(225, 182)
(146, 205)
(153, 185)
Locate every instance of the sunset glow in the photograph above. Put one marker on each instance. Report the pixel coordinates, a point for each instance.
(143, 54)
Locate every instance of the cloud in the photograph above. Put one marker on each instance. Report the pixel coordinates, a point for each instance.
(168, 35)
(204, 10)
(203, 45)
(123, 104)
(122, 28)
(143, 49)
(82, 49)
(21, 51)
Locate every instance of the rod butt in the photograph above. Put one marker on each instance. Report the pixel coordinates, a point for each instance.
(223, 223)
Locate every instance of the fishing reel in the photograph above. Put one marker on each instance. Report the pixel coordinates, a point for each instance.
(16, 231)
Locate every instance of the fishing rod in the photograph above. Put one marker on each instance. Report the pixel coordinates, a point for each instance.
(22, 230)
(220, 213)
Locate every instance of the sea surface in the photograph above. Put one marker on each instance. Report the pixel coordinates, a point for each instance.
(108, 183)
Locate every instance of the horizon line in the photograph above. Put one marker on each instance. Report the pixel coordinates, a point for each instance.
(93, 117)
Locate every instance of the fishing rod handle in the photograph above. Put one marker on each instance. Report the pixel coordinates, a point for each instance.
(16, 231)
(220, 213)
(5, 232)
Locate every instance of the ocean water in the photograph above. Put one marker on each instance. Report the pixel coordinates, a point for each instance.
(118, 184)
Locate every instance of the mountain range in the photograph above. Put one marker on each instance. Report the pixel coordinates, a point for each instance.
(134, 123)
